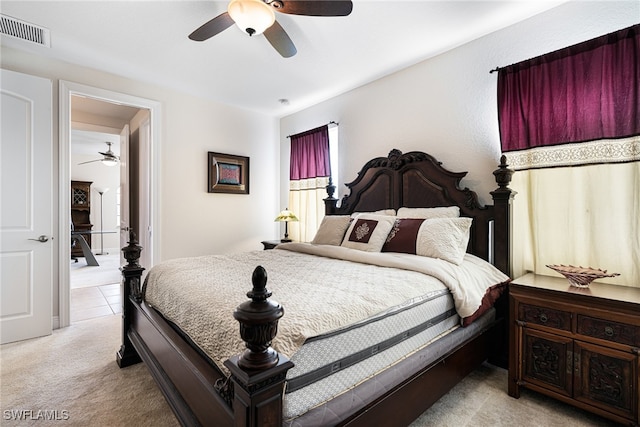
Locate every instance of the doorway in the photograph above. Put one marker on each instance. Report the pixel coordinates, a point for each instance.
(96, 128)
(89, 111)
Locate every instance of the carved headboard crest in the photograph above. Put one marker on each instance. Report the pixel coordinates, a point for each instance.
(396, 159)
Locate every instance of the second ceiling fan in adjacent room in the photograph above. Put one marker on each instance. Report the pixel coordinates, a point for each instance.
(108, 157)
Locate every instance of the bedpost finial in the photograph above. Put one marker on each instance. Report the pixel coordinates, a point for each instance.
(132, 250)
(503, 174)
(258, 320)
(330, 188)
(259, 292)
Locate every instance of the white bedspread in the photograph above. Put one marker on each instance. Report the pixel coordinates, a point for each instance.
(468, 282)
(335, 288)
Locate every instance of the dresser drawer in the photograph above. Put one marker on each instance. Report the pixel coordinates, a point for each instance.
(607, 330)
(545, 316)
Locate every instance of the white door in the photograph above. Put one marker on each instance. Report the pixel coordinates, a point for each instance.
(26, 208)
(124, 190)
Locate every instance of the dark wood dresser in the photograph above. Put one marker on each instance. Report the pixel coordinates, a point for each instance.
(578, 345)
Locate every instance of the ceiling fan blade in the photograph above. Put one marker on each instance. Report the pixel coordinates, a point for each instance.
(109, 154)
(316, 7)
(90, 161)
(212, 27)
(279, 39)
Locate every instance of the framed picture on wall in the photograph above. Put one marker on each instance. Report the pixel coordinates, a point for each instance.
(228, 173)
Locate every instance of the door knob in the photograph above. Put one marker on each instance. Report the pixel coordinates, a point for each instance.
(41, 239)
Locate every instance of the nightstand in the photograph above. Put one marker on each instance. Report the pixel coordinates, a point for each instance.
(578, 345)
(270, 244)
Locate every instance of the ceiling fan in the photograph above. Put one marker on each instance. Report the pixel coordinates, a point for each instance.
(257, 16)
(108, 159)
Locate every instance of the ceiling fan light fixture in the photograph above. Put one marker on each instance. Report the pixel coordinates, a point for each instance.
(109, 162)
(252, 16)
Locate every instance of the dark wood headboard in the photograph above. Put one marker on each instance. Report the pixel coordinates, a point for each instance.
(416, 179)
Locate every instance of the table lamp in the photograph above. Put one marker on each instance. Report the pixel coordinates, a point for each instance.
(286, 215)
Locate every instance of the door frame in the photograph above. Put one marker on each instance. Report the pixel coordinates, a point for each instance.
(66, 91)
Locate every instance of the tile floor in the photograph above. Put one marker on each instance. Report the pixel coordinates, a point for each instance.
(95, 301)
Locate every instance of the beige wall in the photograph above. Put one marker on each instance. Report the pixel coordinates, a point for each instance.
(193, 222)
(446, 105)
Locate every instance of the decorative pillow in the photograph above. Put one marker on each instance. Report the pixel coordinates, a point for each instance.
(428, 213)
(444, 238)
(368, 232)
(331, 230)
(403, 236)
(388, 212)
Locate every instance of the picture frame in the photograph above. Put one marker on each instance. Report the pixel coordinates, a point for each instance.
(227, 173)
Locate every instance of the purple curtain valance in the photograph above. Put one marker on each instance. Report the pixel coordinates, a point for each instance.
(586, 92)
(310, 154)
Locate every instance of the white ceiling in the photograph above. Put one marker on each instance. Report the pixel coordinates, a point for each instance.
(95, 122)
(147, 41)
(92, 143)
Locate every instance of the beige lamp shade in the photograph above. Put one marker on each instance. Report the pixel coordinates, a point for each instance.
(286, 215)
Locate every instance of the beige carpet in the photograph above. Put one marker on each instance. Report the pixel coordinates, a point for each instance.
(74, 373)
(82, 275)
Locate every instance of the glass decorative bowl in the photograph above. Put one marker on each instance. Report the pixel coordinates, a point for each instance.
(581, 277)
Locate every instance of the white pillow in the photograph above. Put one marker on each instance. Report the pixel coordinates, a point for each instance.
(368, 232)
(428, 213)
(331, 230)
(444, 238)
(390, 212)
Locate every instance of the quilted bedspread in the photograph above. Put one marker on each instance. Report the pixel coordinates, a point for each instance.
(322, 288)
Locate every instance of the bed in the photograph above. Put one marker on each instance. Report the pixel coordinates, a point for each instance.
(367, 333)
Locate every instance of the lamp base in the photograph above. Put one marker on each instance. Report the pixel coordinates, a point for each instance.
(285, 240)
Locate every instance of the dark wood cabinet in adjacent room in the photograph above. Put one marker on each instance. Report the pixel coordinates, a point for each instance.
(579, 345)
(81, 212)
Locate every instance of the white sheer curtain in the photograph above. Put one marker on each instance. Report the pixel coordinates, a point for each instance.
(582, 216)
(306, 200)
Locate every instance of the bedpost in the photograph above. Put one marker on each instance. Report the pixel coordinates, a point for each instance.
(502, 197)
(258, 374)
(130, 288)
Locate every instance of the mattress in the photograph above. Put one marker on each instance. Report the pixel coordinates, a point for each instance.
(341, 406)
(327, 365)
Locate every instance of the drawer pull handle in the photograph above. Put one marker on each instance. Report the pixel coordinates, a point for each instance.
(543, 318)
(608, 331)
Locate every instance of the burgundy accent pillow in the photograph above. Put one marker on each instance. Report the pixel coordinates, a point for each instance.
(402, 237)
(362, 230)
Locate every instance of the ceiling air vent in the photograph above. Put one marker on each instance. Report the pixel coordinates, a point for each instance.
(24, 31)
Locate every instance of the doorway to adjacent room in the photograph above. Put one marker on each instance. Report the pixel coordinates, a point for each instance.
(121, 197)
